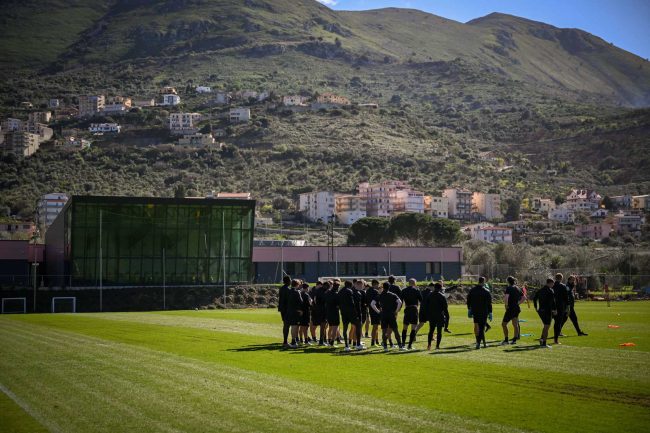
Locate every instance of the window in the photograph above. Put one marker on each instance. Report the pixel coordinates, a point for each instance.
(295, 268)
(433, 268)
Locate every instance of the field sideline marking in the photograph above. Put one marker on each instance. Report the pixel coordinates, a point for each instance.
(24, 406)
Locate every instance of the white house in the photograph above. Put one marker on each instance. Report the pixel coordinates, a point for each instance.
(241, 114)
(184, 123)
(49, 206)
(294, 100)
(203, 89)
(104, 128)
(222, 98)
(170, 99)
(438, 207)
(496, 235)
(349, 209)
(583, 199)
(543, 205)
(487, 205)
(562, 214)
(317, 206)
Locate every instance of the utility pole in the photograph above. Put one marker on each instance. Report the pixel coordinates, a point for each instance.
(101, 300)
(330, 241)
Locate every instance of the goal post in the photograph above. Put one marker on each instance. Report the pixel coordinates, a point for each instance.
(8, 310)
(64, 298)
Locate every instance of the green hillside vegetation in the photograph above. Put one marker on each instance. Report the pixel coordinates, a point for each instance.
(492, 105)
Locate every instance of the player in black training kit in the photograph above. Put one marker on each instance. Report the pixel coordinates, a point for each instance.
(423, 316)
(438, 314)
(394, 288)
(314, 321)
(544, 302)
(561, 305)
(332, 312)
(412, 298)
(305, 318)
(294, 310)
(282, 308)
(479, 306)
(319, 311)
(571, 284)
(372, 294)
(511, 300)
(350, 313)
(387, 306)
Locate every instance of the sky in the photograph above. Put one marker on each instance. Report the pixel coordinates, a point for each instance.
(625, 23)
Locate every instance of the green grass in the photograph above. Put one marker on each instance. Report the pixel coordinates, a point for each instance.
(223, 371)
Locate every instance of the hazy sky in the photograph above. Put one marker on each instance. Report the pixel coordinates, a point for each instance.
(626, 23)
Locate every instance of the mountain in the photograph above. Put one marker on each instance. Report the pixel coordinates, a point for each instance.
(495, 104)
(62, 34)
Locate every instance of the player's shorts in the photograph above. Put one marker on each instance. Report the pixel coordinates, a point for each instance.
(283, 315)
(481, 320)
(333, 318)
(546, 317)
(364, 315)
(375, 318)
(511, 313)
(305, 319)
(389, 321)
(293, 318)
(423, 315)
(411, 315)
(349, 316)
(317, 316)
(435, 322)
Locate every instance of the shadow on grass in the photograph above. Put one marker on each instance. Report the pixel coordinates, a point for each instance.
(523, 348)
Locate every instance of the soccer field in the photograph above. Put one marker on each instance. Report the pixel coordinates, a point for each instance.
(209, 371)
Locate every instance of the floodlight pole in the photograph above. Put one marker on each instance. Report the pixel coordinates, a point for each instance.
(223, 253)
(101, 306)
(164, 280)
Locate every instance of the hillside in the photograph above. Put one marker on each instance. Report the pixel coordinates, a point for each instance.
(494, 104)
(68, 33)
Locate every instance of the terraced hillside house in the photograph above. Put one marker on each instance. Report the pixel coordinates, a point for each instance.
(40, 117)
(318, 205)
(240, 115)
(332, 98)
(20, 143)
(349, 209)
(49, 206)
(459, 203)
(151, 241)
(184, 123)
(90, 105)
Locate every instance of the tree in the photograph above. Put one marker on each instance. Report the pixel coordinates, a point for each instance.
(180, 191)
(513, 208)
(444, 231)
(369, 231)
(413, 227)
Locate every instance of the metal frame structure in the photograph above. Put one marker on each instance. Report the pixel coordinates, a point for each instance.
(14, 299)
(74, 302)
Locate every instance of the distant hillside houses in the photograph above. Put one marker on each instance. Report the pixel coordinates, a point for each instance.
(104, 128)
(184, 123)
(239, 115)
(383, 199)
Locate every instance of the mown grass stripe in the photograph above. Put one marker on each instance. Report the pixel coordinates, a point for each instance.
(300, 394)
(29, 411)
(597, 362)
